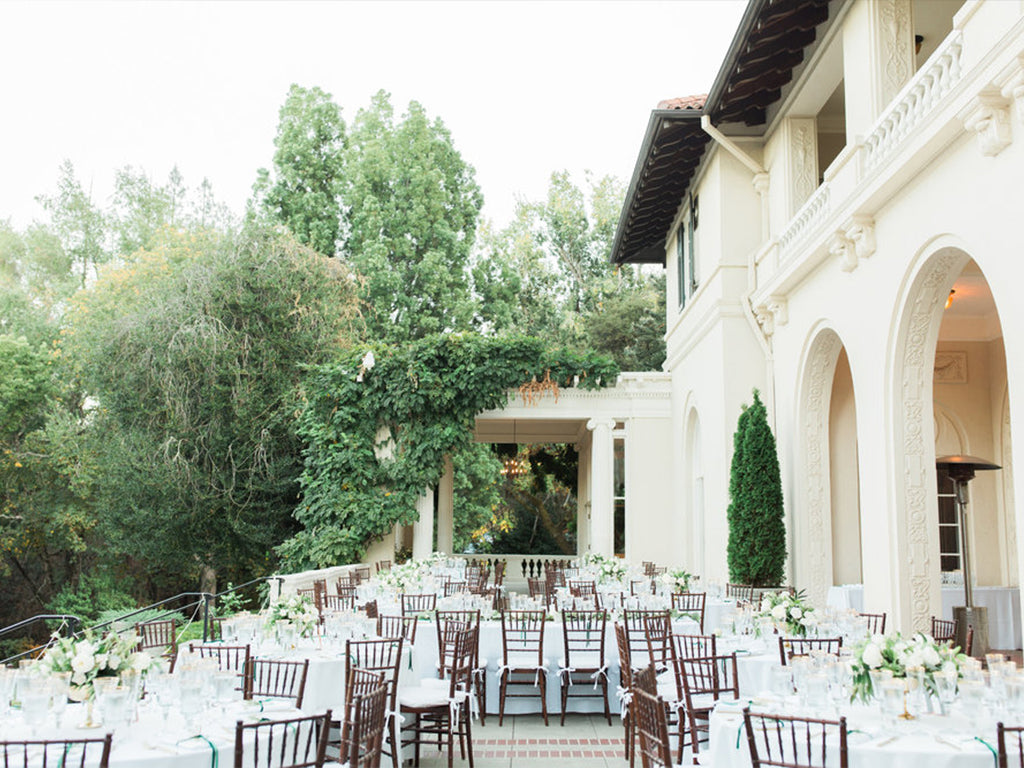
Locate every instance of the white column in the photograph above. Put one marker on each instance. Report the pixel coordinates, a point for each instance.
(602, 487)
(446, 509)
(423, 528)
(583, 496)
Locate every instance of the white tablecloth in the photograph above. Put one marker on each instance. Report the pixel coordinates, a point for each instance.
(930, 741)
(149, 743)
(1003, 603)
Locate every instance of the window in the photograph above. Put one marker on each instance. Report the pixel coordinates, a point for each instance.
(680, 262)
(692, 267)
(619, 495)
(949, 526)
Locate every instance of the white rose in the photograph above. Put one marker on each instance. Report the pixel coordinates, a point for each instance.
(77, 678)
(949, 667)
(779, 612)
(795, 612)
(114, 661)
(872, 656)
(914, 659)
(766, 605)
(140, 661)
(931, 657)
(82, 662)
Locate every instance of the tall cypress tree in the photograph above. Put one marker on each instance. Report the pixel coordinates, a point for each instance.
(757, 528)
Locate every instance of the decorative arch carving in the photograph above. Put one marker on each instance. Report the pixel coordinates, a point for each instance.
(813, 534)
(916, 530)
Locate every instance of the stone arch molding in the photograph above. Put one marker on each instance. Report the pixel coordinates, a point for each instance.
(812, 534)
(914, 525)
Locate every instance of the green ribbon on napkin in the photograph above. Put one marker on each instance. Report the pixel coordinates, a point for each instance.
(995, 755)
(213, 747)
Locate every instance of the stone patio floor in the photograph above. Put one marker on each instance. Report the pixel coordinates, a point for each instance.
(585, 741)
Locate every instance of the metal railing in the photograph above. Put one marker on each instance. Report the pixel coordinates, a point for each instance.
(202, 602)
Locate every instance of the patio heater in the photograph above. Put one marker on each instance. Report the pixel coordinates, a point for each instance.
(961, 471)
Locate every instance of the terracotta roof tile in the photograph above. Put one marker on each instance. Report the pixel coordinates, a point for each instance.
(684, 102)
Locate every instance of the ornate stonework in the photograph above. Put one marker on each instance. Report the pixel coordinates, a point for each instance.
(914, 461)
(989, 118)
(816, 502)
(861, 232)
(841, 248)
(803, 159)
(895, 41)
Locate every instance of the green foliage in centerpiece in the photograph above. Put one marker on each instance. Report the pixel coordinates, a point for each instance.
(898, 655)
(790, 613)
(757, 528)
(87, 658)
(297, 610)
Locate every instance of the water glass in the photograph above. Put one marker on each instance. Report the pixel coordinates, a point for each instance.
(35, 705)
(191, 695)
(225, 684)
(782, 681)
(114, 701)
(945, 685)
(6, 688)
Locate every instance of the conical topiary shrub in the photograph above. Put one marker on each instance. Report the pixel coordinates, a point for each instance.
(757, 527)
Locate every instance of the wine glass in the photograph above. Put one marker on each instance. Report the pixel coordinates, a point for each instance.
(113, 701)
(59, 685)
(191, 695)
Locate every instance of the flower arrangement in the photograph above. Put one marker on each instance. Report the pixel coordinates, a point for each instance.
(902, 656)
(677, 580)
(790, 613)
(297, 609)
(605, 569)
(87, 658)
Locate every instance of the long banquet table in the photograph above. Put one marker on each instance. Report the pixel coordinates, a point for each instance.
(1003, 603)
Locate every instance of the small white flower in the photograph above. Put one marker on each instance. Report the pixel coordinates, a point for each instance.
(779, 613)
(369, 361)
(795, 612)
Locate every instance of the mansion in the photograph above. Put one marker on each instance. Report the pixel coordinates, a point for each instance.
(839, 221)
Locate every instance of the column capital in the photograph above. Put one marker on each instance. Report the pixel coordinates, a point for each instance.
(595, 424)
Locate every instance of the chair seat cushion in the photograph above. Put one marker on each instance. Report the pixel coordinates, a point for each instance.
(423, 697)
(524, 660)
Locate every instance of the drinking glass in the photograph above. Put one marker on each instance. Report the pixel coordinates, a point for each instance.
(782, 681)
(6, 688)
(35, 704)
(165, 691)
(945, 685)
(191, 696)
(59, 684)
(225, 683)
(893, 691)
(972, 694)
(113, 701)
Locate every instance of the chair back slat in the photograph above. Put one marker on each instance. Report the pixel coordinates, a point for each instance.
(793, 742)
(414, 605)
(692, 603)
(67, 753)
(276, 679)
(398, 626)
(650, 715)
(583, 634)
(805, 646)
(297, 742)
(522, 634)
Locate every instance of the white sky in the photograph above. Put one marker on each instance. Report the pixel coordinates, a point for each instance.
(525, 87)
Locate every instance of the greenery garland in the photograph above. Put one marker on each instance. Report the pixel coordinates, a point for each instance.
(379, 422)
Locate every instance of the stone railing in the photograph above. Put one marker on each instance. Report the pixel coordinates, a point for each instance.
(811, 213)
(915, 101)
(282, 585)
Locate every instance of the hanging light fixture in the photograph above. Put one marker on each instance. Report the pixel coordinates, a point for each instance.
(949, 299)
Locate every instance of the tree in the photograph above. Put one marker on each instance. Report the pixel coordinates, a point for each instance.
(629, 325)
(303, 193)
(412, 204)
(77, 223)
(194, 358)
(757, 528)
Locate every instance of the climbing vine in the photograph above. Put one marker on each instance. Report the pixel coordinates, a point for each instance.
(378, 423)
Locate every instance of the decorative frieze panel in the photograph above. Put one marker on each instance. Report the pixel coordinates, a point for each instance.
(803, 159)
(894, 45)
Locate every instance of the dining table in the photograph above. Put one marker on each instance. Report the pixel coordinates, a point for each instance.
(874, 740)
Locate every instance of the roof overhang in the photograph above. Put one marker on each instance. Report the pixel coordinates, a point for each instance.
(670, 154)
(770, 43)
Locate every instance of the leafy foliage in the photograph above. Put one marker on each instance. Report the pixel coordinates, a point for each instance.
(757, 528)
(304, 192)
(194, 353)
(412, 205)
(377, 437)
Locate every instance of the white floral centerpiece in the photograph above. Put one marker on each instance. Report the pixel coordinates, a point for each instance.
(898, 654)
(87, 658)
(605, 569)
(297, 610)
(788, 612)
(677, 580)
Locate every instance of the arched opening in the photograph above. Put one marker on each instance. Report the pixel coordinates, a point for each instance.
(826, 547)
(695, 488)
(844, 475)
(949, 393)
(972, 417)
